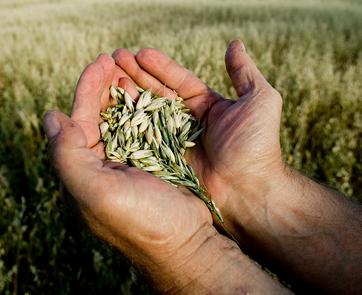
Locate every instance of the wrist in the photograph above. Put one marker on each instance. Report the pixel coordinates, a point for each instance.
(209, 263)
(273, 208)
(192, 268)
(250, 197)
(302, 227)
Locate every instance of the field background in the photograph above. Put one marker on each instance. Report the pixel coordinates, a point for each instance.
(311, 51)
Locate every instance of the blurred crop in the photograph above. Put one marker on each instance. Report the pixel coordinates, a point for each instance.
(311, 51)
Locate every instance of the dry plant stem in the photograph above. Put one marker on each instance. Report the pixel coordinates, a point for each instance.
(153, 135)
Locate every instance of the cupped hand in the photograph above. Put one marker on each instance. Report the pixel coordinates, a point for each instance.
(149, 220)
(239, 152)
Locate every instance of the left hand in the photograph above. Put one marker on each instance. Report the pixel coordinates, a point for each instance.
(155, 224)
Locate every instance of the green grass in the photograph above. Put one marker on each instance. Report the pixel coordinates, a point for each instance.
(311, 51)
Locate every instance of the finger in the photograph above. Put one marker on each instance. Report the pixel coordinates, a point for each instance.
(127, 61)
(92, 94)
(86, 104)
(87, 100)
(109, 70)
(242, 70)
(170, 73)
(93, 89)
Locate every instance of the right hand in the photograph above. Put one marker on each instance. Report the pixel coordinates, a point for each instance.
(239, 154)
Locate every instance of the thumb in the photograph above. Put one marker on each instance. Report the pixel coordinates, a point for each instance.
(66, 132)
(75, 164)
(242, 70)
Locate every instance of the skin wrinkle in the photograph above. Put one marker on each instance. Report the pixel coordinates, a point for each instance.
(98, 149)
(226, 170)
(189, 257)
(161, 90)
(270, 114)
(223, 179)
(202, 228)
(228, 143)
(112, 237)
(240, 126)
(91, 124)
(84, 208)
(228, 266)
(194, 281)
(210, 100)
(206, 116)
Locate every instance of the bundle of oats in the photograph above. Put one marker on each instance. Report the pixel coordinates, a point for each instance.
(153, 135)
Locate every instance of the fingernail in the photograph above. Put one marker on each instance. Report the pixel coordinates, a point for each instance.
(51, 124)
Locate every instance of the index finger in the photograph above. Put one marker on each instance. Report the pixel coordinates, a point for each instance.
(92, 95)
(87, 102)
(170, 73)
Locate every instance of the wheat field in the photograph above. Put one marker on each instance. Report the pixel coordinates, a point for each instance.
(311, 51)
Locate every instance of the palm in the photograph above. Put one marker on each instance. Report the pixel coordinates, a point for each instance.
(168, 215)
